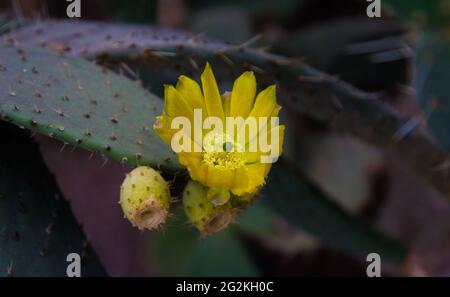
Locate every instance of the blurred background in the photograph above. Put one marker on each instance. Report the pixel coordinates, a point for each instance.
(402, 56)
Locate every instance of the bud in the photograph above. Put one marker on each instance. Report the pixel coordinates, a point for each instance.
(202, 213)
(145, 198)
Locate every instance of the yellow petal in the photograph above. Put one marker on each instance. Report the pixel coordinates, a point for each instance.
(191, 91)
(175, 104)
(265, 107)
(281, 137)
(222, 178)
(256, 177)
(265, 102)
(243, 95)
(275, 111)
(162, 128)
(213, 101)
(190, 159)
(215, 177)
(257, 174)
(279, 141)
(226, 102)
(193, 162)
(267, 169)
(263, 127)
(241, 177)
(252, 157)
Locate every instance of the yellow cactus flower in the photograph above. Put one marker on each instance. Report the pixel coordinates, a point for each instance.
(227, 142)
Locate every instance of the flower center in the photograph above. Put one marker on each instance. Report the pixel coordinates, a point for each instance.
(221, 151)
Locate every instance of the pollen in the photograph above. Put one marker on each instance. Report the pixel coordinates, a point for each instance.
(224, 160)
(222, 152)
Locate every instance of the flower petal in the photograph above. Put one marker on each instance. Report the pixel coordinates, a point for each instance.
(162, 128)
(213, 101)
(217, 177)
(256, 177)
(265, 102)
(280, 140)
(175, 104)
(265, 107)
(241, 177)
(243, 95)
(257, 174)
(226, 103)
(193, 162)
(252, 157)
(191, 91)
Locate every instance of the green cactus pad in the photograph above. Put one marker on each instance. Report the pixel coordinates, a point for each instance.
(82, 104)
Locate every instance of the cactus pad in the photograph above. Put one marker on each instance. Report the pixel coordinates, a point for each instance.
(37, 228)
(82, 104)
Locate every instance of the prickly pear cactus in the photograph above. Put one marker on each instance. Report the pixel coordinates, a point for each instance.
(145, 198)
(322, 97)
(37, 228)
(136, 42)
(88, 106)
(82, 104)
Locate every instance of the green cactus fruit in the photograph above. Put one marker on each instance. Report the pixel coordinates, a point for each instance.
(202, 213)
(145, 198)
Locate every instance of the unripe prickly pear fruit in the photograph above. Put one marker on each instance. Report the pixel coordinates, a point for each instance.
(202, 213)
(145, 198)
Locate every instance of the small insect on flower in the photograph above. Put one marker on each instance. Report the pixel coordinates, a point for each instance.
(145, 198)
(232, 150)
